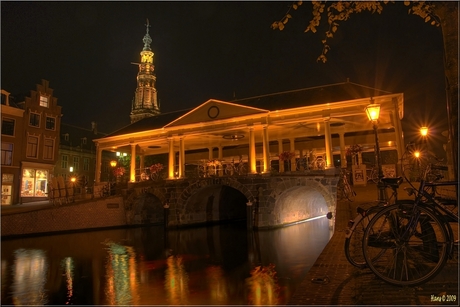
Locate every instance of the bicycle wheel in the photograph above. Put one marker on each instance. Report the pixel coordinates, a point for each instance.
(354, 243)
(375, 176)
(405, 245)
(348, 190)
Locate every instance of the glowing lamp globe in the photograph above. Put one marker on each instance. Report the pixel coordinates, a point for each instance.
(373, 111)
(424, 131)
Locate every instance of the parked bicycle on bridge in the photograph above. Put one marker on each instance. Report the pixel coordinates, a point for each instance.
(409, 242)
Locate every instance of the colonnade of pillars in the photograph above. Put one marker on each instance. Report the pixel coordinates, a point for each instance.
(180, 173)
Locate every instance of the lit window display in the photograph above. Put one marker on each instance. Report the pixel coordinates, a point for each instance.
(34, 182)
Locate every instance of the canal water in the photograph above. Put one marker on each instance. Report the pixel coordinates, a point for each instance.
(214, 265)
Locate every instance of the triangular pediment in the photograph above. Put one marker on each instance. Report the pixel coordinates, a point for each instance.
(215, 110)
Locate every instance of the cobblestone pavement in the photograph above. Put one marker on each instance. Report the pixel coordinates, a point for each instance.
(333, 281)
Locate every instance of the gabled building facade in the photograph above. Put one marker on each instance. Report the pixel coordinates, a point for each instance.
(32, 141)
(12, 132)
(77, 154)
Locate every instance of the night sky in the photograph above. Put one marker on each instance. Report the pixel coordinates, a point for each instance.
(218, 50)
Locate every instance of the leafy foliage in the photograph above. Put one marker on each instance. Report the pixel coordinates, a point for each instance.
(337, 11)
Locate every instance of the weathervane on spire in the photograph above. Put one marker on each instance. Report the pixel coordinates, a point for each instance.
(148, 26)
(147, 40)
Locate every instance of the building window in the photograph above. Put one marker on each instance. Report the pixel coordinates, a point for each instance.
(83, 140)
(32, 147)
(50, 123)
(76, 162)
(7, 189)
(7, 154)
(48, 150)
(34, 120)
(8, 126)
(64, 159)
(66, 137)
(34, 182)
(86, 164)
(44, 101)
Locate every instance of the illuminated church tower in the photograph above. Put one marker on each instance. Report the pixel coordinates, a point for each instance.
(145, 103)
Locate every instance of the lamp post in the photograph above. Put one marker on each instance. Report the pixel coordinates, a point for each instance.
(113, 164)
(373, 113)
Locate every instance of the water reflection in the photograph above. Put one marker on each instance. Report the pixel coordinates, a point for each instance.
(176, 281)
(68, 267)
(29, 277)
(218, 265)
(121, 284)
(218, 293)
(263, 286)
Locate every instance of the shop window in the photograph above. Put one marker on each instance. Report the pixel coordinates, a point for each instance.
(34, 119)
(7, 154)
(32, 147)
(34, 182)
(8, 126)
(48, 150)
(50, 123)
(64, 159)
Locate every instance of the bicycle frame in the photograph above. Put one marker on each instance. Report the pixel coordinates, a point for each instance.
(362, 212)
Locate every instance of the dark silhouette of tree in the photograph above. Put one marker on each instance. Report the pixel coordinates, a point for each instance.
(443, 14)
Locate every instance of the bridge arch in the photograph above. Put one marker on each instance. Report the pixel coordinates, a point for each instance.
(147, 206)
(188, 211)
(293, 200)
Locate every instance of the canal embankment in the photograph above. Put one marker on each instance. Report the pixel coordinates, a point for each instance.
(78, 216)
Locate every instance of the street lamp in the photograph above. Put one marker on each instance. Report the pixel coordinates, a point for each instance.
(424, 131)
(113, 164)
(373, 113)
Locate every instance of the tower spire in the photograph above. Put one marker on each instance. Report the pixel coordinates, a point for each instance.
(147, 39)
(145, 102)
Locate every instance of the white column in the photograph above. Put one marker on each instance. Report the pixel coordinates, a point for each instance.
(328, 141)
(292, 149)
(142, 162)
(220, 157)
(98, 163)
(132, 172)
(171, 159)
(398, 133)
(343, 150)
(280, 150)
(181, 158)
(266, 149)
(211, 155)
(252, 151)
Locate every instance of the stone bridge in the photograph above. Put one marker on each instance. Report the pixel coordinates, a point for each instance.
(263, 200)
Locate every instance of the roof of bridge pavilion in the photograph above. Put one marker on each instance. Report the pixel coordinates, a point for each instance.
(263, 103)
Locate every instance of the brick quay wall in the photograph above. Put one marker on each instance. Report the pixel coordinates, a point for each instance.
(101, 213)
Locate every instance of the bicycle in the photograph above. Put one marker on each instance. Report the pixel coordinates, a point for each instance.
(372, 174)
(235, 169)
(355, 230)
(408, 244)
(318, 163)
(344, 189)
